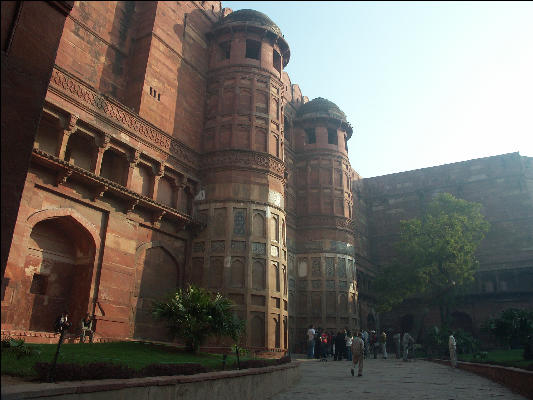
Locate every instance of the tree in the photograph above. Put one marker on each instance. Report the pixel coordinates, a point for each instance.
(512, 328)
(194, 314)
(435, 257)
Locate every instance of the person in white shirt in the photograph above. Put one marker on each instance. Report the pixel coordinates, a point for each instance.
(310, 342)
(452, 346)
(349, 340)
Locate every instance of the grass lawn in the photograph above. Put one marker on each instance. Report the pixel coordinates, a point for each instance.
(507, 358)
(132, 354)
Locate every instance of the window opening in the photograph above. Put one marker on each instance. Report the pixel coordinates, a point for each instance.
(310, 134)
(225, 50)
(332, 136)
(276, 60)
(253, 49)
(345, 142)
(38, 284)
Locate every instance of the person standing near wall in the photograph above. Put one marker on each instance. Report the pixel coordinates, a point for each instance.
(349, 341)
(406, 342)
(452, 345)
(310, 342)
(383, 343)
(358, 349)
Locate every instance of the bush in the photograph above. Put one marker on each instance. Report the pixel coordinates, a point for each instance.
(104, 370)
(284, 360)
(18, 347)
(172, 369)
(528, 349)
(512, 328)
(263, 363)
(80, 372)
(436, 342)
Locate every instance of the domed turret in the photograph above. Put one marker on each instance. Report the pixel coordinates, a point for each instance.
(323, 108)
(254, 22)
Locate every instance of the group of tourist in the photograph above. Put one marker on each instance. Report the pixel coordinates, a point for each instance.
(62, 324)
(356, 348)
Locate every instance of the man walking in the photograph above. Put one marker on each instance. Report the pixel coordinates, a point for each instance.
(358, 348)
(406, 342)
(310, 342)
(452, 346)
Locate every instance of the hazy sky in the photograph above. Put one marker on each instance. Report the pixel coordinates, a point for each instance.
(422, 83)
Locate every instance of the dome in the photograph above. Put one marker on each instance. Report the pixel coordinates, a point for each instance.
(251, 20)
(323, 108)
(252, 17)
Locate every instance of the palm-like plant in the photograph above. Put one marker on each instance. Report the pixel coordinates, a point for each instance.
(193, 315)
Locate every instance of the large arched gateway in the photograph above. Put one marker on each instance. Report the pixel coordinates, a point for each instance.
(59, 265)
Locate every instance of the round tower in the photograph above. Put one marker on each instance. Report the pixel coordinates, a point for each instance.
(325, 268)
(242, 253)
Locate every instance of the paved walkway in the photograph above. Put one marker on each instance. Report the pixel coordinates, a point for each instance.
(392, 380)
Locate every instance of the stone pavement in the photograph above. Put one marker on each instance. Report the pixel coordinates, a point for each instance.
(391, 379)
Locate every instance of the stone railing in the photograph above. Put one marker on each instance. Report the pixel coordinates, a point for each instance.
(253, 383)
(518, 380)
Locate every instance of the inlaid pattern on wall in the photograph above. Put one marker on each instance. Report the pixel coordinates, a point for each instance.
(239, 221)
(315, 266)
(217, 246)
(330, 266)
(238, 245)
(330, 284)
(342, 268)
(316, 284)
(258, 248)
(198, 247)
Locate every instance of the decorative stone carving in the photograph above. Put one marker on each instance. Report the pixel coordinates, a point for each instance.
(65, 83)
(237, 245)
(239, 222)
(217, 246)
(342, 267)
(258, 248)
(330, 266)
(198, 247)
(244, 159)
(315, 266)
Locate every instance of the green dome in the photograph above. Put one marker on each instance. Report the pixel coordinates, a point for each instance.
(252, 17)
(321, 106)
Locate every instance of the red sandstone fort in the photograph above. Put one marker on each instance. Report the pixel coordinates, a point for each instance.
(148, 145)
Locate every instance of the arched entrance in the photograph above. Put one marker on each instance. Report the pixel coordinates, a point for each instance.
(60, 259)
(157, 275)
(461, 320)
(407, 323)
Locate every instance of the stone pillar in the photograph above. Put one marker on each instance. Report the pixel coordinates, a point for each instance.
(134, 160)
(157, 177)
(70, 128)
(102, 147)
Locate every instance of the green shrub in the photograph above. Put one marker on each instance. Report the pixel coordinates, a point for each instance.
(18, 348)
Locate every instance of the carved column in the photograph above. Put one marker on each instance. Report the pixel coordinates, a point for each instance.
(157, 177)
(180, 186)
(102, 147)
(134, 160)
(70, 128)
